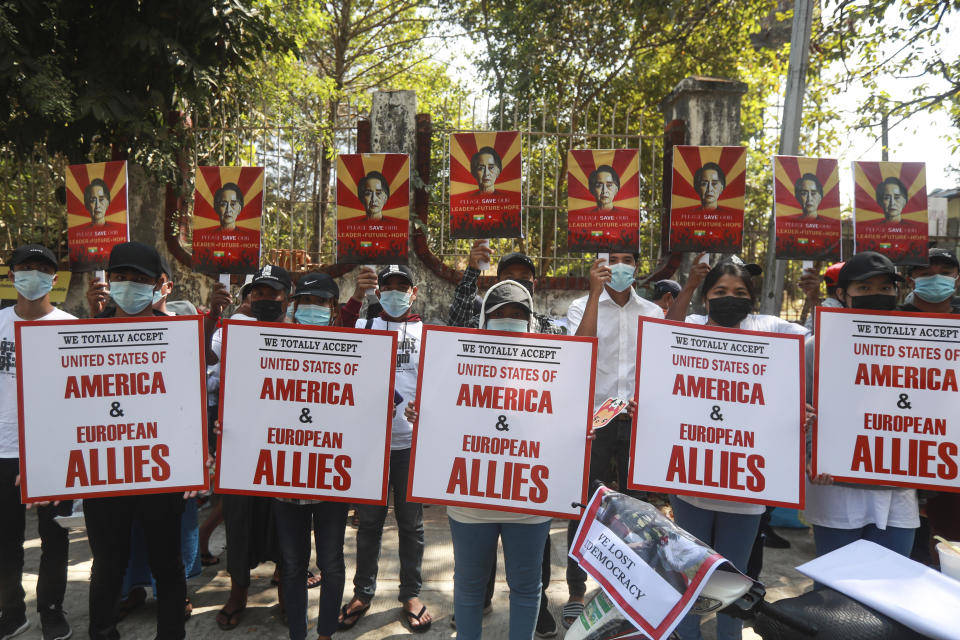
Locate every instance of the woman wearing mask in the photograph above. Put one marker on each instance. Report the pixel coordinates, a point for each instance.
(314, 304)
(729, 527)
(506, 307)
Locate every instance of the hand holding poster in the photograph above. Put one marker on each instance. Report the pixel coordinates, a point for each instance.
(485, 193)
(109, 407)
(603, 200)
(727, 422)
(306, 412)
(886, 397)
(806, 205)
(503, 421)
(96, 212)
(890, 210)
(227, 207)
(373, 208)
(706, 207)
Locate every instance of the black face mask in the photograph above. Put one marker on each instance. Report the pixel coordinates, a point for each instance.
(873, 302)
(527, 284)
(266, 310)
(729, 311)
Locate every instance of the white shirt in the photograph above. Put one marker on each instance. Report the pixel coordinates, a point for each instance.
(213, 371)
(845, 507)
(616, 342)
(9, 418)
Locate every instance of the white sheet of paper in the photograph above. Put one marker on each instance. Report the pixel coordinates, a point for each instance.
(912, 594)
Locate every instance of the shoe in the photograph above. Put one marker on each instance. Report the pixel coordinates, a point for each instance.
(546, 625)
(54, 624)
(774, 540)
(10, 627)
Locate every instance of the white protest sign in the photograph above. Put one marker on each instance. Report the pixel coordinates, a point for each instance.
(887, 398)
(723, 413)
(503, 420)
(111, 407)
(305, 411)
(650, 568)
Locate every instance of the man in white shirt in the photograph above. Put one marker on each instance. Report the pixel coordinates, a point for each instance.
(33, 269)
(609, 313)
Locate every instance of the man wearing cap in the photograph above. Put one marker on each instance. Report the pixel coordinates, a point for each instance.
(397, 293)
(809, 283)
(134, 273)
(934, 284)
(33, 269)
(664, 293)
(513, 266)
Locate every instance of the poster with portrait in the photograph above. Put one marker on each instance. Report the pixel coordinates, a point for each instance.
(706, 204)
(890, 210)
(485, 185)
(373, 208)
(603, 200)
(96, 212)
(227, 207)
(806, 206)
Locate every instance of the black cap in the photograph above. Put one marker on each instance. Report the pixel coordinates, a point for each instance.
(401, 270)
(274, 276)
(516, 258)
(665, 286)
(137, 256)
(317, 284)
(936, 254)
(165, 267)
(32, 252)
(867, 264)
(506, 292)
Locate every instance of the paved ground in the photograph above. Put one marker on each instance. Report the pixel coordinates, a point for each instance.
(208, 591)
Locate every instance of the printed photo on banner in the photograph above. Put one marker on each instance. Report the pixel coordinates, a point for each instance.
(305, 412)
(727, 422)
(706, 205)
(806, 203)
(503, 421)
(96, 212)
(111, 407)
(485, 193)
(886, 394)
(649, 567)
(373, 208)
(890, 210)
(603, 200)
(227, 209)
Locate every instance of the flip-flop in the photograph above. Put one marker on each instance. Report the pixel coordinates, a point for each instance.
(207, 559)
(410, 616)
(569, 613)
(312, 580)
(232, 618)
(343, 625)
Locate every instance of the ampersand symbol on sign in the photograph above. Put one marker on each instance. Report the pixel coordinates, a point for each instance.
(715, 414)
(115, 410)
(902, 402)
(502, 424)
(305, 416)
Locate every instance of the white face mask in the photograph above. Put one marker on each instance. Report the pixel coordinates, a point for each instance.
(621, 276)
(513, 325)
(34, 284)
(132, 297)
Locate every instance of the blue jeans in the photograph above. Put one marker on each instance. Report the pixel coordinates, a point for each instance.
(329, 521)
(896, 539)
(729, 534)
(474, 550)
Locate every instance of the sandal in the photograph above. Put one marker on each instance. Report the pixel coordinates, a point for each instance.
(230, 618)
(207, 559)
(420, 627)
(569, 613)
(356, 614)
(187, 609)
(312, 580)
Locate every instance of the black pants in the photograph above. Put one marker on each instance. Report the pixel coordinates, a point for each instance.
(251, 535)
(54, 543)
(108, 530)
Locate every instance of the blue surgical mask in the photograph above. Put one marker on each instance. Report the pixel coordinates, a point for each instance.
(395, 303)
(935, 288)
(33, 285)
(157, 296)
(514, 325)
(621, 276)
(312, 314)
(132, 297)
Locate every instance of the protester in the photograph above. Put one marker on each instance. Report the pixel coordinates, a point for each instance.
(397, 293)
(315, 303)
(727, 526)
(609, 312)
(809, 283)
(507, 306)
(664, 293)
(33, 270)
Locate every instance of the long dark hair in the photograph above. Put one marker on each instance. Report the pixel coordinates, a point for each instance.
(727, 268)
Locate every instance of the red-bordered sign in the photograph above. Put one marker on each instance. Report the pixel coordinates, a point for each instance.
(485, 196)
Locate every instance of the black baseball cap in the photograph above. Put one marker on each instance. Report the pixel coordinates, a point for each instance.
(662, 287)
(32, 252)
(864, 265)
(317, 284)
(936, 254)
(516, 258)
(401, 270)
(137, 256)
(165, 267)
(506, 292)
(274, 276)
